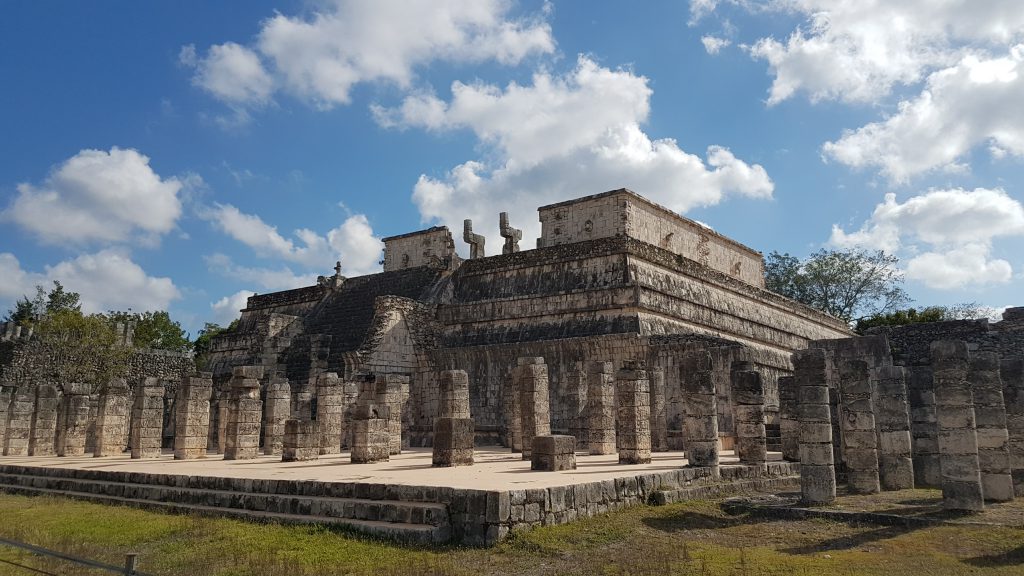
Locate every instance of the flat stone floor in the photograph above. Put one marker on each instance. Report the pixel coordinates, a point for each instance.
(495, 468)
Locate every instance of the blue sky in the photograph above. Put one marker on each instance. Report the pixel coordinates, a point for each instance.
(182, 155)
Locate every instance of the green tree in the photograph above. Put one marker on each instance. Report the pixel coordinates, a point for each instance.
(59, 299)
(154, 330)
(848, 284)
(962, 311)
(28, 312)
(81, 348)
(205, 338)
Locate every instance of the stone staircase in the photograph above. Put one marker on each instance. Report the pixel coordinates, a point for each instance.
(371, 509)
(773, 437)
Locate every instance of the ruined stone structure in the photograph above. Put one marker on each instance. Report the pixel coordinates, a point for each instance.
(454, 433)
(748, 395)
(245, 414)
(1012, 372)
(147, 419)
(43, 435)
(276, 411)
(892, 419)
(857, 424)
(990, 426)
(371, 439)
(112, 418)
(301, 441)
(817, 464)
(633, 397)
(192, 417)
(958, 440)
(601, 408)
(701, 424)
(552, 453)
(531, 376)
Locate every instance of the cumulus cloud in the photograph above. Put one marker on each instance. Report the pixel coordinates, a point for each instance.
(106, 280)
(713, 44)
(229, 308)
(321, 57)
(947, 233)
(561, 137)
(272, 279)
(99, 196)
(974, 102)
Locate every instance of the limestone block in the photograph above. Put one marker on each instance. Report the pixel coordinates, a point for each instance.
(76, 420)
(552, 453)
(857, 422)
(957, 439)
(453, 389)
(817, 469)
(370, 441)
(993, 439)
(1011, 371)
(301, 441)
(601, 408)
(112, 418)
(192, 416)
(19, 422)
(276, 411)
(330, 412)
(453, 442)
(392, 391)
(531, 375)
(749, 415)
(892, 420)
(574, 396)
(659, 414)
(245, 414)
(44, 422)
(700, 422)
(632, 389)
(789, 427)
(147, 419)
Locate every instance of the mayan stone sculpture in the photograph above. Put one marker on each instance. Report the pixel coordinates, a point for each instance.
(147, 419)
(632, 390)
(924, 429)
(475, 241)
(276, 411)
(370, 437)
(748, 407)
(958, 441)
(531, 375)
(601, 408)
(44, 422)
(330, 412)
(1012, 372)
(454, 432)
(71, 438)
(393, 394)
(553, 453)
(574, 399)
(892, 421)
(700, 423)
(242, 436)
(789, 424)
(990, 420)
(817, 468)
(19, 422)
(659, 414)
(301, 441)
(511, 235)
(192, 416)
(857, 421)
(112, 418)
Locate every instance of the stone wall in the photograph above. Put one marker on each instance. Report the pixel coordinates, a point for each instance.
(430, 247)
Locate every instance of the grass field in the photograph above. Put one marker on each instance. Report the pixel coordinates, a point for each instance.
(687, 538)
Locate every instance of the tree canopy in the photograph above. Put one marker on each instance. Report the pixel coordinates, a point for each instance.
(28, 312)
(154, 330)
(848, 284)
(961, 311)
(205, 337)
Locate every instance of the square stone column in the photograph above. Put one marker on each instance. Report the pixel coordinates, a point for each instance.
(892, 421)
(531, 375)
(748, 408)
(659, 413)
(789, 424)
(574, 397)
(632, 389)
(44, 422)
(601, 408)
(224, 409)
(19, 421)
(371, 439)
(192, 416)
(76, 420)
(513, 414)
(242, 436)
(393, 393)
(276, 411)
(147, 419)
(5, 403)
(857, 422)
(1012, 372)
(817, 464)
(700, 423)
(924, 429)
(350, 400)
(454, 430)
(300, 442)
(330, 412)
(553, 453)
(958, 440)
(112, 417)
(990, 420)
(90, 432)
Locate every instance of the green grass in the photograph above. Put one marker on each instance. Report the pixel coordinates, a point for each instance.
(687, 538)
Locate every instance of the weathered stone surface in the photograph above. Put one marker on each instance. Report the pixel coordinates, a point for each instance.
(453, 441)
(632, 389)
(892, 421)
(453, 390)
(1011, 371)
(700, 425)
(957, 439)
(789, 425)
(301, 441)
(531, 375)
(857, 419)
(43, 433)
(991, 432)
(19, 422)
(552, 453)
(924, 428)
(601, 408)
(112, 418)
(749, 415)
(370, 437)
(817, 469)
(276, 411)
(659, 414)
(393, 394)
(245, 415)
(330, 412)
(574, 397)
(192, 417)
(147, 419)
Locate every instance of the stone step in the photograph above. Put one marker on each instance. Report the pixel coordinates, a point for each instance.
(406, 533)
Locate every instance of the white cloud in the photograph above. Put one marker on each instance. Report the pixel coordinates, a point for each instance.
(559, 138)
(955, 228)
(106, 280)
(272, 279)
(321, 57)
(972, 103)
(353, 241)
(99, 196)
(713, 44)
(228, 308)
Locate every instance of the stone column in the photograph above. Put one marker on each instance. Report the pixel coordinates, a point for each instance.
(575, 398)
(393, 393)
(224, 409)
(300, 442)
(276, 412)
(112, 418)
(601, 408)
(514, 414)
(19, 422)
(659, 414)
(700, 423)
(748, 407)
(350, 401)
(44, 422)
(633, 391)
(192, 416)
(453, 429)
(958, 441)
(789, 424)
(371, 440)
(990, 419)
(892, 421)
(817, 465)
(857, 422)
(242, 440)
(1012, 372)
(531, 375)
(330, 412)
(90, 432)
(147, 419)
(5, 402)
(76, 420)
(924, 430)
